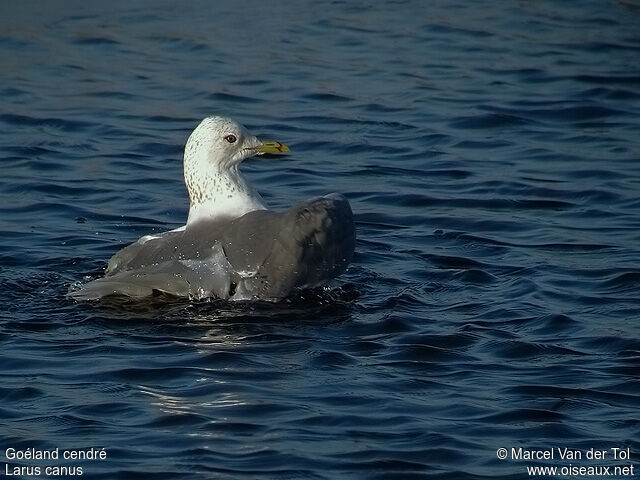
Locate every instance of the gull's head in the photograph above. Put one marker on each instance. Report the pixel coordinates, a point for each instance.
(224, 143)
(211, 158)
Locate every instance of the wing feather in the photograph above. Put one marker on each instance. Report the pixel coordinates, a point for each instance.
(262, 254)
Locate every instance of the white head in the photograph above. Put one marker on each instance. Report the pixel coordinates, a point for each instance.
(224, 141)
(211, 158)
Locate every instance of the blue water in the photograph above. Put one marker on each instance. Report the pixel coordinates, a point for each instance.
(491, 154)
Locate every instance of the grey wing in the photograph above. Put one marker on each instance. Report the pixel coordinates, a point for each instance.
(262, 255)
(181, 262)
(301, 247)
(186, 279)
(148, 250)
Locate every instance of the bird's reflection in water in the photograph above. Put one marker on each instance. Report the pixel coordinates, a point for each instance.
(234, 347)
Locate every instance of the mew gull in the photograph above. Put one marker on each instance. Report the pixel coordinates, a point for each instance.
(232, 247)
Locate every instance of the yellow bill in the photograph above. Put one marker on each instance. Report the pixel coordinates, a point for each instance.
(272, 147)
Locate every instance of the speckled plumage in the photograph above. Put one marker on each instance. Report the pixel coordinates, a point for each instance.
(215, 186)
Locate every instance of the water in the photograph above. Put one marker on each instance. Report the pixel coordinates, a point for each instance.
(491, 153)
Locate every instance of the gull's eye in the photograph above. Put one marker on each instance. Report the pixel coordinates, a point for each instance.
(230, 138)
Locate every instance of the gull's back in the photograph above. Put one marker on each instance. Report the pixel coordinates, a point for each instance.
(260, 255)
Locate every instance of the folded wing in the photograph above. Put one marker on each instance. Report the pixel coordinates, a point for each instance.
(261, 255)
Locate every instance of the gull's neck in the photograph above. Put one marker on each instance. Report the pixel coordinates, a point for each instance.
(217, 191)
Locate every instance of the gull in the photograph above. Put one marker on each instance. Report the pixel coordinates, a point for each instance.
(232, 246)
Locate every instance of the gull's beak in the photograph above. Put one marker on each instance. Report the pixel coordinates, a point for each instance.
(271, 147)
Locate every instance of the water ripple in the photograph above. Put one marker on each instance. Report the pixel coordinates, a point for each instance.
(490, 156)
